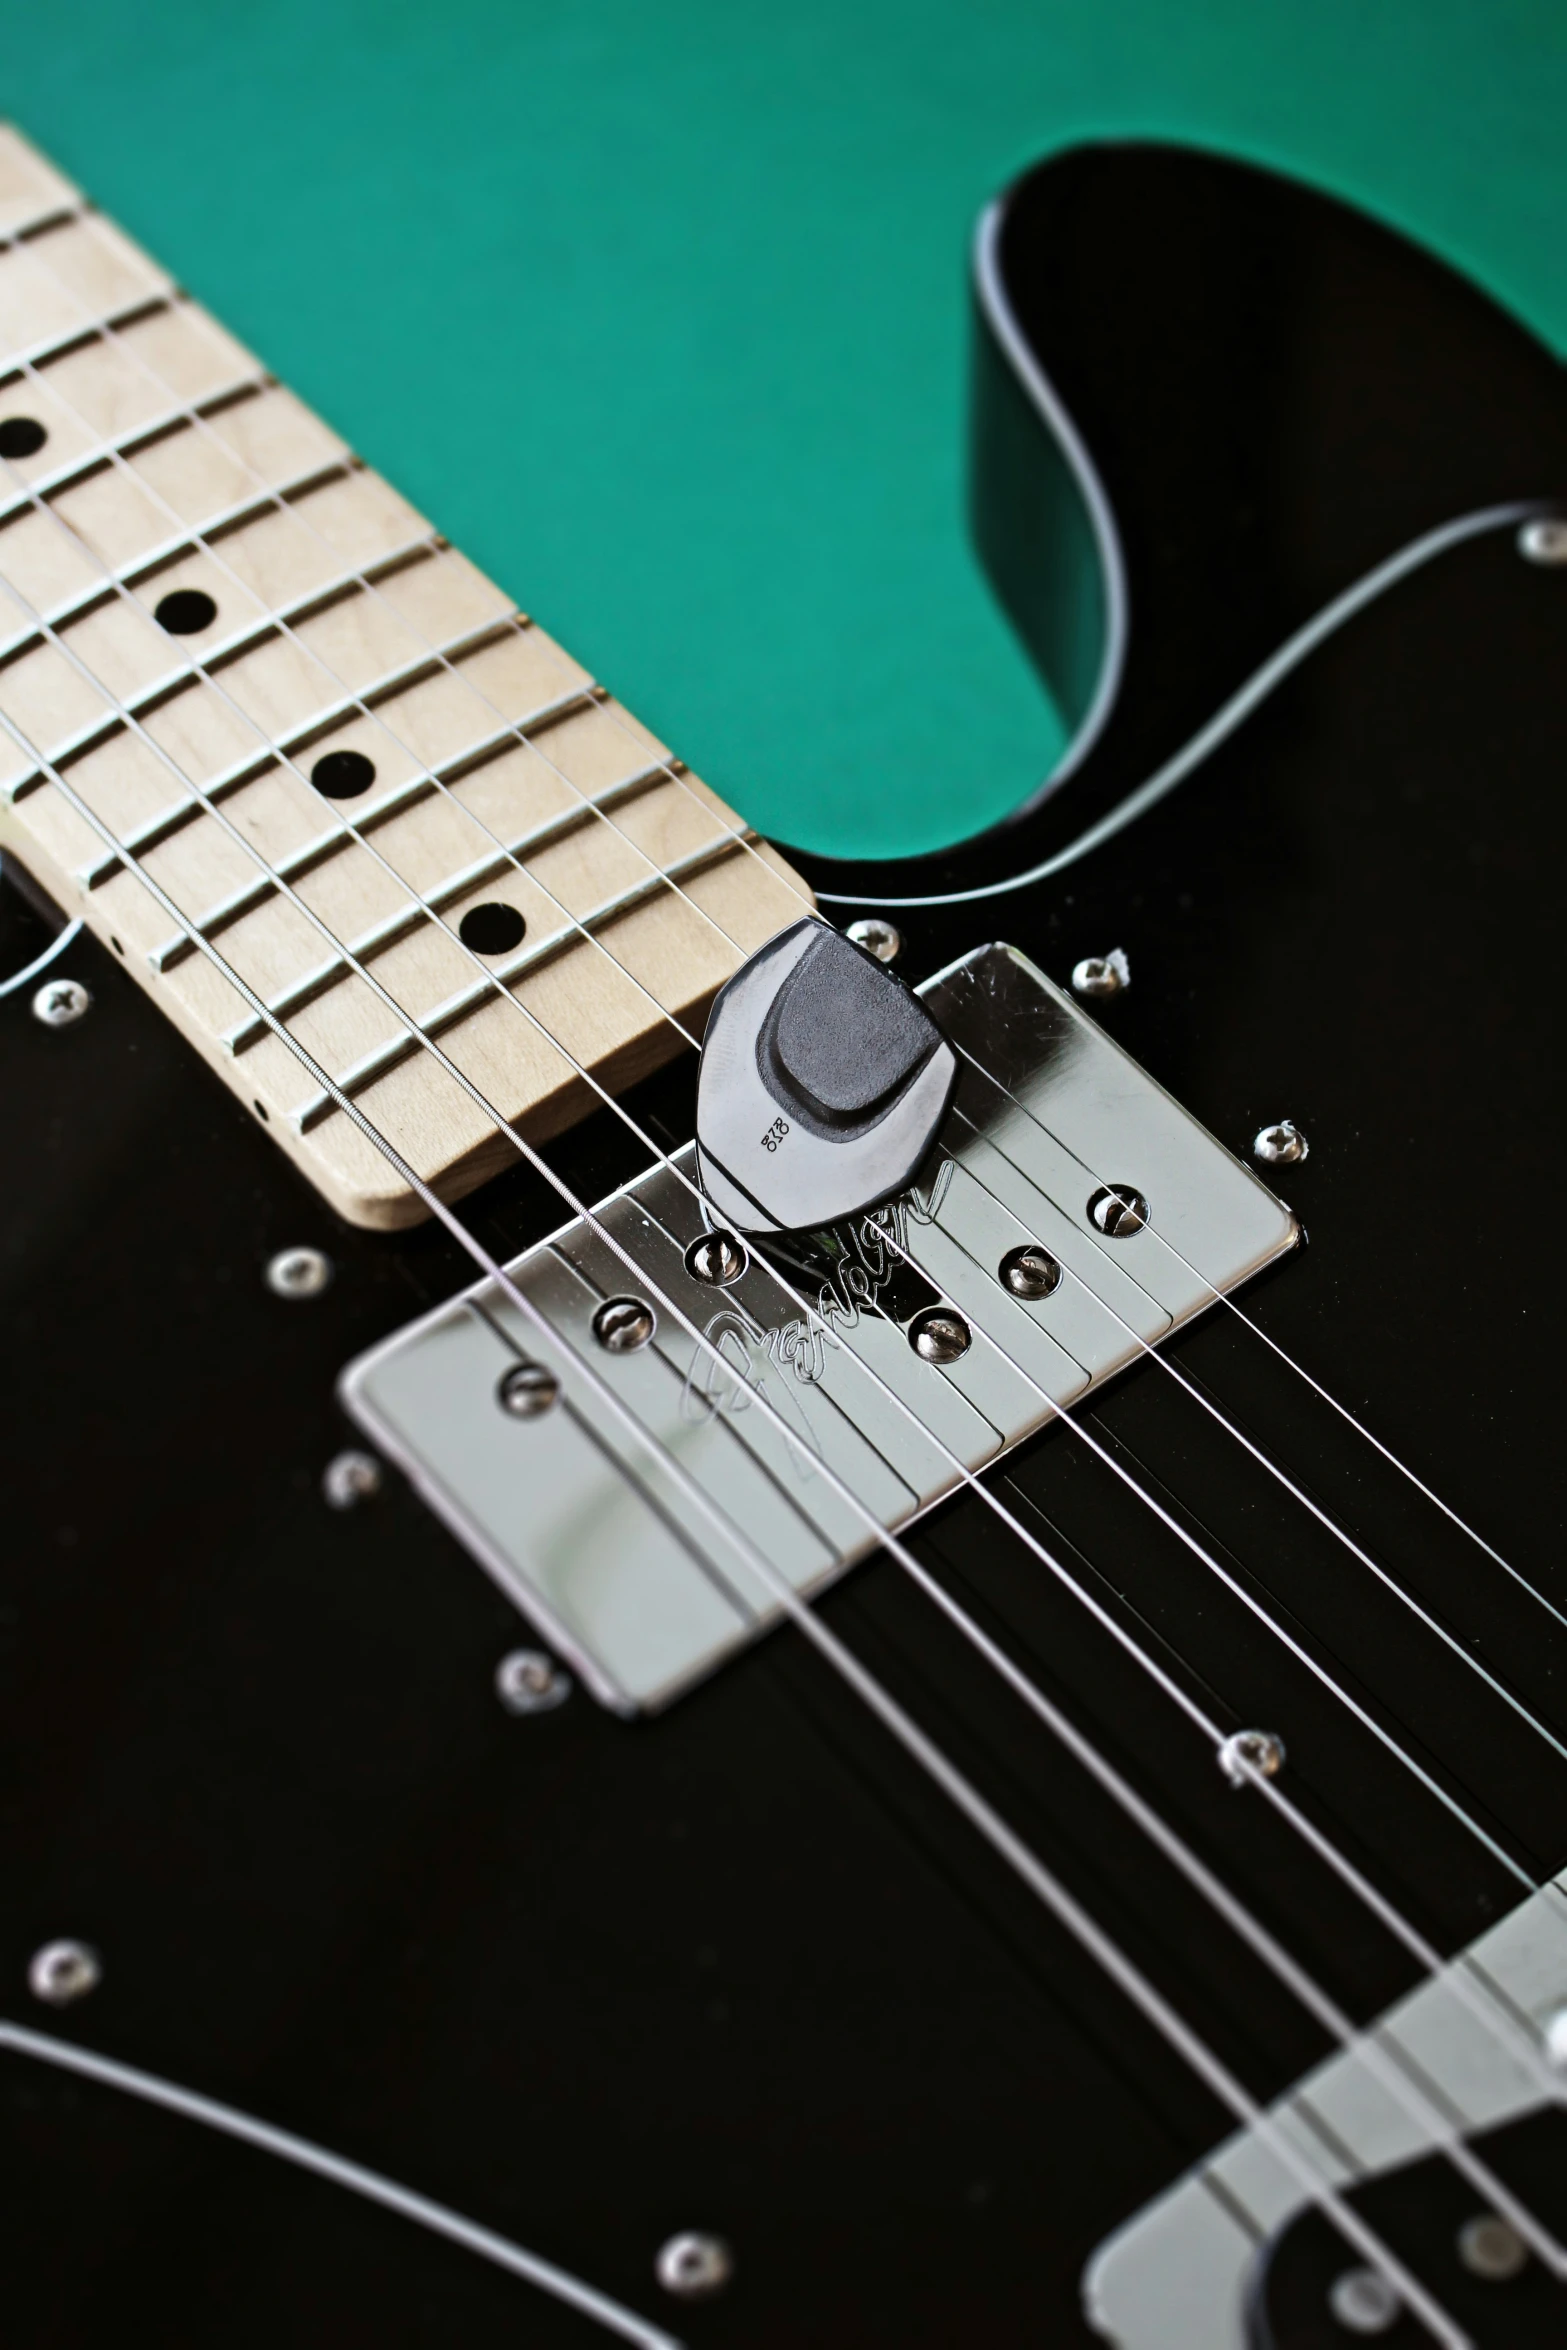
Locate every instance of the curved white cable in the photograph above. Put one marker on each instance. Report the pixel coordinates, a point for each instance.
(437, 2217)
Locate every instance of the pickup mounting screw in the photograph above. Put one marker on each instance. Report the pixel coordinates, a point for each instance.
(622, 1324)
(1117, 1210)
(529, 1682)
(1029, 1272)
(349, 1478)
(527, 1390)
(1544, 541)
(717, 1258)
(1363, 2301)
(1102, 975)
(1489, 2248)
(692, 2265)
(1245, 1751)
(298, 1272)
(938, 1335)
(63, 1971)
(877, 936)
(1281, 1145)
(60, 1003)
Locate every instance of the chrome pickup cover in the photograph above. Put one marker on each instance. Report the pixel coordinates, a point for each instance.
(589, 1528)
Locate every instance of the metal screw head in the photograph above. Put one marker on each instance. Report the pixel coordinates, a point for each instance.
(1544, 540)
(1102, 975)
(693, 2264)
(529, 1682)
(349, 1478)
(1282, 1145)
(1489, 2248)
(877, 936)
(622, 1324)
(1029, 1272)
(63, 1971)
(938, 1335)
(527, 1390)
(60, 1002)
(1117, 1210)
(1248, 1751)
(717, 1258)
(298, 1272)
(1363, 2301)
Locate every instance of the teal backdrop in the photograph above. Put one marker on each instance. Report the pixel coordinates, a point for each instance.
(659, 311)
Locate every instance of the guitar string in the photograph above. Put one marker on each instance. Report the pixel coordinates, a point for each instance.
(230, 2122)
(1234, 1910)
(192, 417)
(1101, 1947)
(495, 1119)
(330, 941)
(60, 944)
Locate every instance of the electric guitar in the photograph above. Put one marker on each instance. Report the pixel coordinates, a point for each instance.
(715, 1630)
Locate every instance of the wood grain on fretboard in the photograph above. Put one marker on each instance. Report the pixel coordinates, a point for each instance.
(502, 773)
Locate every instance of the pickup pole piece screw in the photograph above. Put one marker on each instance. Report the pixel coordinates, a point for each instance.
(63, 1971)
(1102, 975)
(59, 1003)
(1364, 2302)
(1117, 1210)
(298, 1272)
(1245, 1751)
(1544, 541)
(1282, 1145)
(692, 2265)
(527, 1390)
(877, 936)
(622, 1324)
(349, 1478)
(717, 1258)
(938, 1335)
(529, 1682)
(1029, 1272)
(1489, 2248)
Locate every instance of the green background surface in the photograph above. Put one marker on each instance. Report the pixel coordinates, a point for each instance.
(660, 310)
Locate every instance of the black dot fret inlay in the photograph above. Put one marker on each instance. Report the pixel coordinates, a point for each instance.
(21, 436)
(185, 611)
(493, 929)
(343, 775)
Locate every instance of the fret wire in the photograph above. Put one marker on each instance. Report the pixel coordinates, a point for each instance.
(981, 1815)
(1408, 1761)
(74, 795)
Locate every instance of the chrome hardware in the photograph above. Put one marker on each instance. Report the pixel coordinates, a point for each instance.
(1544, 541)
(877, 936)
(64, 1971)
(1489, 2247)
(1282, 1145)
(1246, 1751)
(527, 1391)
(1118, 1211)
(350, 1478)
(60, 1003)
(1029, 1272)
(693, 2265)
(298, 1272)
(529, 1682)
(1102, 975)
(1363, 2302)
(622, 1324)
(1554, 2033)
(940, 1336)
(717, 1258)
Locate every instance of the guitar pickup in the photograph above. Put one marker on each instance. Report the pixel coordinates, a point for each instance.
(1069, 1216)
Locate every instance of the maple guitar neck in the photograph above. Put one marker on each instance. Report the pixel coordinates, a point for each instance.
(262, 723)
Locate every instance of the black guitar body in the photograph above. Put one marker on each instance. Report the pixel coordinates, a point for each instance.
(740, 1967)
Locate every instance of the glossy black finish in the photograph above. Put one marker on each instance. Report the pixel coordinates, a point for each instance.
(741, 1967)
